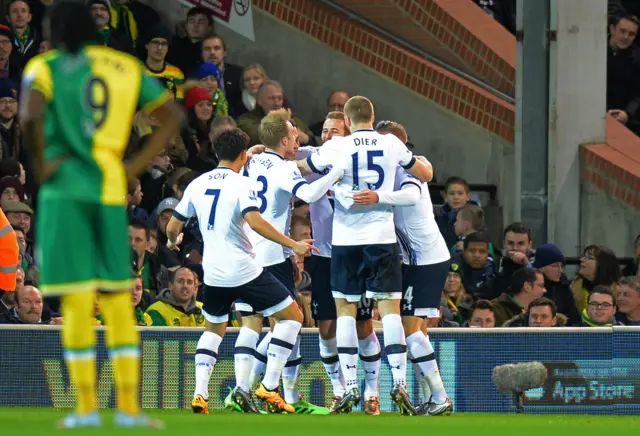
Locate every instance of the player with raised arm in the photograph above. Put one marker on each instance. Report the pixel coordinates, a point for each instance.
(226, 205)
(323, 304)
(425, 268)
(78, 102)
(365, 257)
(278, 182)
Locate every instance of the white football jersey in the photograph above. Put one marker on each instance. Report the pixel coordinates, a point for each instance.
(321, 211)
(277, 182)
(220, 198)
(374, 159)
(418, 234)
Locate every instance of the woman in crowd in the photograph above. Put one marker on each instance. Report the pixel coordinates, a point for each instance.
(598, 266)
(253, 77)
(457, 301)
(195, 134)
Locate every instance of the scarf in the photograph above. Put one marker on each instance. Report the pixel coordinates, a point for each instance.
(122, 17)
(591, 323)
(452, 305)
(248, 100)
(23, 42)
(105, 32)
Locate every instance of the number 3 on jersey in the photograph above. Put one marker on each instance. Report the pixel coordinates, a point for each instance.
(97, 96)
(371, 166)
(261, 192)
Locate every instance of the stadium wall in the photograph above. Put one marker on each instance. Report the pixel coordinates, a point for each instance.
(595, 370)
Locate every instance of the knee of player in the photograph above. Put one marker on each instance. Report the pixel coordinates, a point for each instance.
(364, 328)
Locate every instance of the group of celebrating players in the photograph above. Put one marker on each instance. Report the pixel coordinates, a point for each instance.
(369, 205)
(370, 195)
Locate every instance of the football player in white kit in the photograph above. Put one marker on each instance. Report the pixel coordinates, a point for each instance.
(226, 206)
(322, 303)
(278, 182)
(425, 259)
(365, 255)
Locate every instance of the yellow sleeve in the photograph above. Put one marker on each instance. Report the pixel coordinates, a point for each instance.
(37, 76)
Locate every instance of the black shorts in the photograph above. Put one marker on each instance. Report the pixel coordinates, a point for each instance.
(265, 294)
(323, 306)
(374, 270)
(422, 289)
(283, 272)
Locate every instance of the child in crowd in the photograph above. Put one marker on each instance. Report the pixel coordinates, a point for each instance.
(457, 196)
(476, 267)
(470, 219)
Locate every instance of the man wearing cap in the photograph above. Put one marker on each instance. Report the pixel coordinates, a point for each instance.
(101, 12)
(549, 261)
(210, 78)
(157, 47)
(19, 214)
(162, 215)
(10, 63)
(26, 39)
(9, 128)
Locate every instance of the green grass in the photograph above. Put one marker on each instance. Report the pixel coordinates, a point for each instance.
(34, 422)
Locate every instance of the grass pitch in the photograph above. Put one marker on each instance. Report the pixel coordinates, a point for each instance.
(36, 422)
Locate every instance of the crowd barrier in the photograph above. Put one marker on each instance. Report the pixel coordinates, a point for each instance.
(594, 371)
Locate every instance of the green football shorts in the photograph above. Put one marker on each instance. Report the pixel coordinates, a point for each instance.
(82, 246)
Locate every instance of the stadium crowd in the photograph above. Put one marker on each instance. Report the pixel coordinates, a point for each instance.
(519, 284)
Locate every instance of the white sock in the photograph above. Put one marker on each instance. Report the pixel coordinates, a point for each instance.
(260, 360)
(395, 348)
(285, 334)
(370, 358)
(347, 341)
(422, 381)
(206, 357)
(425, 359)
(329, 356)
(243, 356)
(291, 375)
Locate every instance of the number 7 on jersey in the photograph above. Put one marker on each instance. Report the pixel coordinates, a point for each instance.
(212, 214)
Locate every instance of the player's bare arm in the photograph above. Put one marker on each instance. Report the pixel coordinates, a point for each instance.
(266, 230)
(170, 117)
(304, 167)
(421, 169)
(32, 109)
(174, 233)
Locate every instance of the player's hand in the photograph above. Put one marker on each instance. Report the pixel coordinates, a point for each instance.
(56, 321)
(365, 197)
(174, 247)
(519, 258)
(422, 159)
(256, 149)
(460, 245)
(50, 168)
(303, 137)
(305, 248)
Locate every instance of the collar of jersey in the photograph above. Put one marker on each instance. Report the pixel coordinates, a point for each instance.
(273, 153)
(363, 130)
(224, 168)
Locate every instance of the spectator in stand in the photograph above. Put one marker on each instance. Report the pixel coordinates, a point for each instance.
(541, 312)
(26, 39)
(162, 215)
(601, 308)
(527, 284)
(134, 198)
(483, 315)
(503, 11)
(549, 261)
(157, 47)
(141, 300)
(629, 301)
(455, 298)
(7, 300)
(210, 78)
(146, 264)
(28, 307)
(634, 269)
(9, 127)
(598, 267)
(144, 17)
(10, 62)
(38, 9)
(271, 97)
(196, 133)
(214, 50)
(11, 167)
(11, 189)
(19, 215)
(516, 254)
(143, 125)
(177, 305)
(476, 268)
(335, 103)
(253, 77)
(101, 12)
(623, 69)
(457, 196)
(470, 219)
(186, 47)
